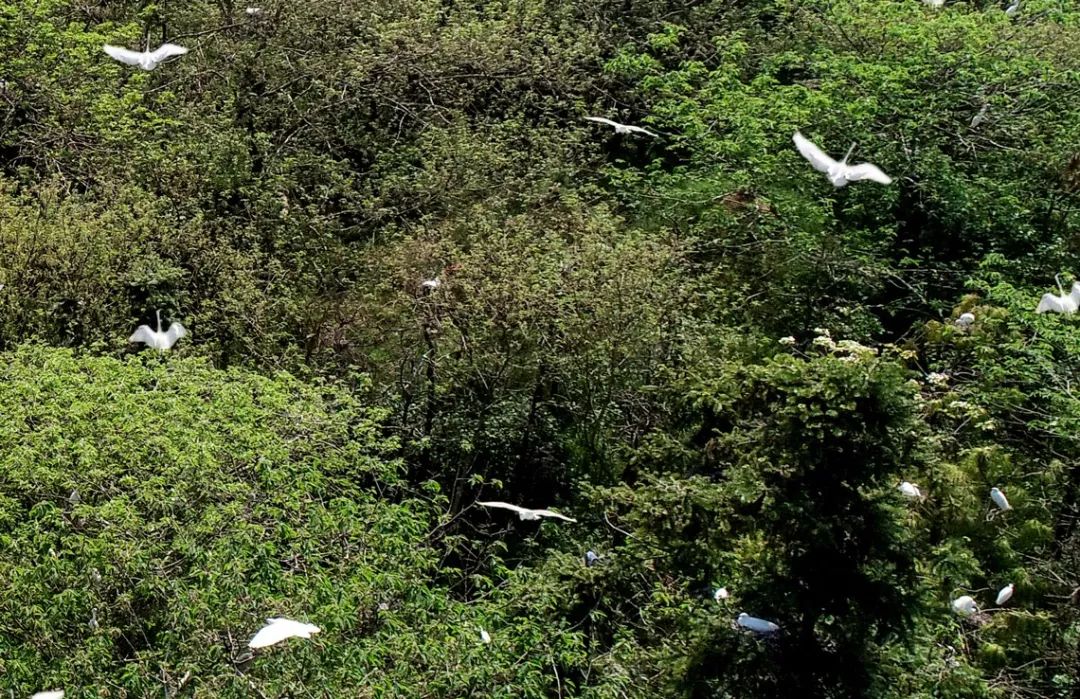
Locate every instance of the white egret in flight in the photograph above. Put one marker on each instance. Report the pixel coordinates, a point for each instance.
(756, 625)
(999, 499)
(910, 490)
(839, 173)
(622, 128)
(524, 512)
(147, 60)
(964, 606)
(1005, 594)
(1061, 304)
(157, 339)
(279, 629)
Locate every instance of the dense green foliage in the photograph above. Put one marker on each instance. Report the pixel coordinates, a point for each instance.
(719, 364)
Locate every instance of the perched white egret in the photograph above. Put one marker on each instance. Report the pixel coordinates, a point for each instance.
(1061, 304)
(93, 623)
(524, 512)
(279, 629)
(964, 606)
(934, 3)
(622, 128)
(431, 284)
(1005, 594)
(839, 173)
(252, 11)
(75, 498)
(147, 60)
(979, 118)
(1012, 9)
(999, 499)
(910, 490)
(485, 637)
(756, 625)
(965, 320)
(591, 558)
(721, 594)
(56, 694)
(157, 339)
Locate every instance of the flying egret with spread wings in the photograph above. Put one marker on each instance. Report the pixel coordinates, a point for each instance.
(279, 629)
(147, 60)
(524, 512)
(622, 128)
(157, 339)
(1066, 303)
(839, 173)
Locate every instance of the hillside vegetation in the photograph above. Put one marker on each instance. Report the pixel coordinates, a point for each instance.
(719, 364)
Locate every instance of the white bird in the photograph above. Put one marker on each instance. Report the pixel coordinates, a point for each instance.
(1005, 594)
(591, 559)
(965, 320)
(157, 339)
(431, 284)
(757, 625)
(980, 117)
(839, 173)
(965, 606)
(720, 594)
(622, 128)
(57, 694)
(524, 512)
(910, 490)
(147, 60)
(279, 629)
(485, 637)
(252, 11)
(999, 499)
(934, 3)
(1063, 303)
(1012, 9)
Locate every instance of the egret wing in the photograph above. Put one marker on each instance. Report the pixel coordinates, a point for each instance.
(638, 129)
(175, 332)
(132, 58)
(866, 171)
(602, 120)
(812, 153)
(143, 334)
(1049, 302)
(549, 513)
(166, 51)
(501, 505)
